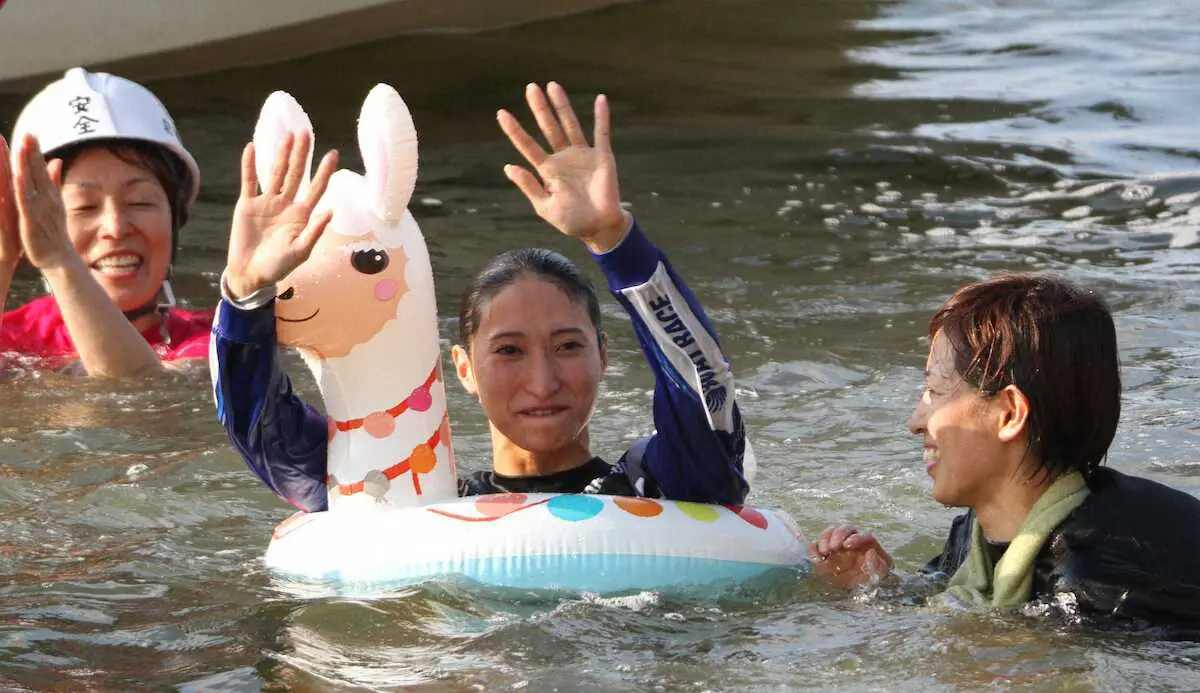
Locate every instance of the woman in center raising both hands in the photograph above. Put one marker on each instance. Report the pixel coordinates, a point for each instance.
(531, 349)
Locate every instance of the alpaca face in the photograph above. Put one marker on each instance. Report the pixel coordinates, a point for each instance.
(343, 295)
(352, 284)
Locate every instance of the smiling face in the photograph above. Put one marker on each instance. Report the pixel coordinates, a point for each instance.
(535, 362)
(357, 278)
(119, 220)
(968, 447)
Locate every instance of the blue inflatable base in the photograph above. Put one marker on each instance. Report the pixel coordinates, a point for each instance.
(605, 574)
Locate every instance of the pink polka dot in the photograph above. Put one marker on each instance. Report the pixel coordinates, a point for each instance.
(385, 289)
(420, 399)
(501, 505)
(379, 424)
(751, 515)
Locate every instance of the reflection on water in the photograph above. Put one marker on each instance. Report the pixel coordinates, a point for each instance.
(824, 173)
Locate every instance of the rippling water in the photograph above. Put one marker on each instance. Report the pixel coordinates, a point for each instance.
(824, 173)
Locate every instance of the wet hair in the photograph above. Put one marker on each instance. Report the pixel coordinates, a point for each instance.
(507, 268)
(1057, 344)
(167, 168)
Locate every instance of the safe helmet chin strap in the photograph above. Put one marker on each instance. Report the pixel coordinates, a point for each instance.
(164, 308)
(162, 302)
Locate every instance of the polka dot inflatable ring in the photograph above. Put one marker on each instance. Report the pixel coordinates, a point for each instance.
(580, 543)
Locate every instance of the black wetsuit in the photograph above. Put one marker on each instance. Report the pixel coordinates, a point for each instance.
(1130, 552)
(594, 476)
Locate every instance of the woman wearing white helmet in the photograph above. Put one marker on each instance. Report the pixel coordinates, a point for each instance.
(94, 196)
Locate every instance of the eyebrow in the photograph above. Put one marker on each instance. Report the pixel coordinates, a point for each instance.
(517, 334)
(127, 184)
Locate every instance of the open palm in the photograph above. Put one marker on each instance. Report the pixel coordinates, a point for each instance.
(576, 187)
(274, 230)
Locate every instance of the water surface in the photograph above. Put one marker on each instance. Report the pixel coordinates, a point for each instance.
(824, 173)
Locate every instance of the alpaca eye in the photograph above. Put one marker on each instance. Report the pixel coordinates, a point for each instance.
(369, 261)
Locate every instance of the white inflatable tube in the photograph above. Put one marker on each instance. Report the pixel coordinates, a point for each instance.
(582, 543)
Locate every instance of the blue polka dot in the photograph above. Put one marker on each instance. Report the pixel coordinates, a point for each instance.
(575, 508)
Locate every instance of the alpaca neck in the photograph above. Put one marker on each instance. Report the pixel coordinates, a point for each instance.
(376, 374)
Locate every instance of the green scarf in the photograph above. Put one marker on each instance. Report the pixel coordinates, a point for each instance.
(975, 583)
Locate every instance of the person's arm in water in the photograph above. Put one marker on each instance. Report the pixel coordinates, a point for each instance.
(283, 440)
(107, 343)
(10, 252)
(10, 236)
(696, 453)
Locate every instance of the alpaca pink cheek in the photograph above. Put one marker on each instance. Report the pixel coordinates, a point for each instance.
(385, 290)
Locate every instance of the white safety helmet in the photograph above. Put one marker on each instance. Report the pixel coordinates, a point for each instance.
(86, 106)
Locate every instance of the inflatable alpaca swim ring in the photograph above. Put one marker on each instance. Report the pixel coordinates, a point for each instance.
(362, 313)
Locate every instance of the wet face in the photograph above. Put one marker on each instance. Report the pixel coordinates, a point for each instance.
(344, 276)
(535, 363)
(119, 220)
(966, 444)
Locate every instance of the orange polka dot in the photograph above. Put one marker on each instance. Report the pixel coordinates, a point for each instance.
(500, 505)
(641, 507)
(422, 459)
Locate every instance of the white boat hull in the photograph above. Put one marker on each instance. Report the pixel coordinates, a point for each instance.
(146, 40)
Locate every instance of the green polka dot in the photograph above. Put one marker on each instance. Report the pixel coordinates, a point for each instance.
(699, 511)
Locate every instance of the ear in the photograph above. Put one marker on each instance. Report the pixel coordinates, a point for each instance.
(1013, 412)
(280, 114)
(463, 369)
(388, 142)
(603, 352)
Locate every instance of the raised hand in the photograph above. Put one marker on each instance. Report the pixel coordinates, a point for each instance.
(273, 232)
(846, 558)
(576, 188)
(10, 234)
(41, 217)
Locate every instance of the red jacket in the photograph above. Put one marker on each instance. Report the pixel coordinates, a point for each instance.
(37, 329)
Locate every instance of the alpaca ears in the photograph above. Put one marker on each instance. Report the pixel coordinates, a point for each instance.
(280, 114)
(388, 142)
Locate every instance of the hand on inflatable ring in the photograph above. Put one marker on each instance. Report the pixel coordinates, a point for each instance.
(846, 559)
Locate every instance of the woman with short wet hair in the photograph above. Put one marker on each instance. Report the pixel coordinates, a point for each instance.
(1021, 403)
